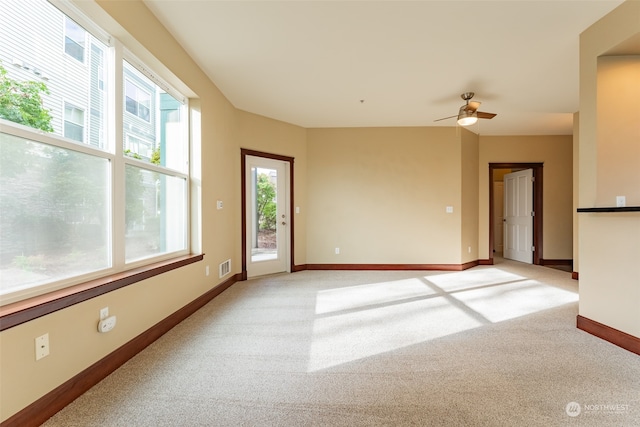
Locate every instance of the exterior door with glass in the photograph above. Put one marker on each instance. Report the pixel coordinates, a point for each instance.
(267, 202)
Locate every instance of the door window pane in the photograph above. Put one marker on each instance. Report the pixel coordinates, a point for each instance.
(265, 246)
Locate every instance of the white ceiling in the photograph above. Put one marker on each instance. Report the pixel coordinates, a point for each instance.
(391, 63)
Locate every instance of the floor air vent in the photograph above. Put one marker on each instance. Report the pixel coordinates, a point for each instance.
(225, 268)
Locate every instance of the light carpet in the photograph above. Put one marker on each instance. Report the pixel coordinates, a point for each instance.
(489, 346)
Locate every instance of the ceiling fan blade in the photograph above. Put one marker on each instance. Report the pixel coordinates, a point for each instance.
(483, 115)
(473, 106)
(445, 118)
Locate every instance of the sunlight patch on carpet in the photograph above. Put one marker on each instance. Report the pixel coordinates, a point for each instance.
(356, 322)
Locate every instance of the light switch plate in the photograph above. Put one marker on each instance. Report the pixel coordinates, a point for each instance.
(449, 209)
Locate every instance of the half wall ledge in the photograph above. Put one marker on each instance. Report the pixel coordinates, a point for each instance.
(610, 209)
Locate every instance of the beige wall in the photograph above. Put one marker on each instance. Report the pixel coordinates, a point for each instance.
(609, 243)
(618, 146)
(470, 202)
(556, 154)
(379, 194)
(576, 189)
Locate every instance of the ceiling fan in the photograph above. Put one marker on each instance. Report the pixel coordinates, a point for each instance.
(469, 113)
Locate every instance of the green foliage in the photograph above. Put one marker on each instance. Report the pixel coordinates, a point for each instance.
(21, 102)
(266, 203)
(155, 156)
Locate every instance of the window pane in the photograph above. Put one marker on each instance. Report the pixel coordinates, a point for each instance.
(45, 72)
(73, 123)
(155, 213)
(54, 213)
(154, 115)
(73, 131)
(74, 40)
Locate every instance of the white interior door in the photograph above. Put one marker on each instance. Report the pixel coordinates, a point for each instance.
(498, 216)
(267, 203)
(518, 216)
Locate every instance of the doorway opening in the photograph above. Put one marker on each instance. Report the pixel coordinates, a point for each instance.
(496, 172)
(267, 213)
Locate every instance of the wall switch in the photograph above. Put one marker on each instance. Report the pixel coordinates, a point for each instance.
(206, 270)
(449, 209)
(104, 313)
(42, 346)
(337, 251)
(107, 324)
(297, 209)
(469, 249)
(621, 201)
(219, 204)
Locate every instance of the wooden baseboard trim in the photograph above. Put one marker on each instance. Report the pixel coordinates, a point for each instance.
(485, 261)
(607, 333)
(392, 267)
(48, 405)
(575, 275)
(568, 262)
(297, 268)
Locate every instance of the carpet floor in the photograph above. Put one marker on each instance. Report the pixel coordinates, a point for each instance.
(490, 346)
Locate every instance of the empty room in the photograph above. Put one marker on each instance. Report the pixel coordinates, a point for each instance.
(292, 213)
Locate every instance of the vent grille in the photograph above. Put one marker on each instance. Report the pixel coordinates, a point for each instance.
(225, 268)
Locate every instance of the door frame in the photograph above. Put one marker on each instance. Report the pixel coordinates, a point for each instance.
(243, 196)
(537, 206)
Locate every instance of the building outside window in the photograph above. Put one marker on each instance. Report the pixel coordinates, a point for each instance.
(137, 101)
(74, 39)
(73, 122)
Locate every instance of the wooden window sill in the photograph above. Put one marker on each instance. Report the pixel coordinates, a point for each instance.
(23, 311)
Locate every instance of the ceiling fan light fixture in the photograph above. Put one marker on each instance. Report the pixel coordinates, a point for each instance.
(467, 117)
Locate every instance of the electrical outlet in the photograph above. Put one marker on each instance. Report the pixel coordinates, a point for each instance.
(337, 251)
(621, 201)
(104, 313)
(42, 346)
(107, 324)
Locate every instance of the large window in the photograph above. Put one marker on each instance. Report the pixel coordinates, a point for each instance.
(79, 197)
